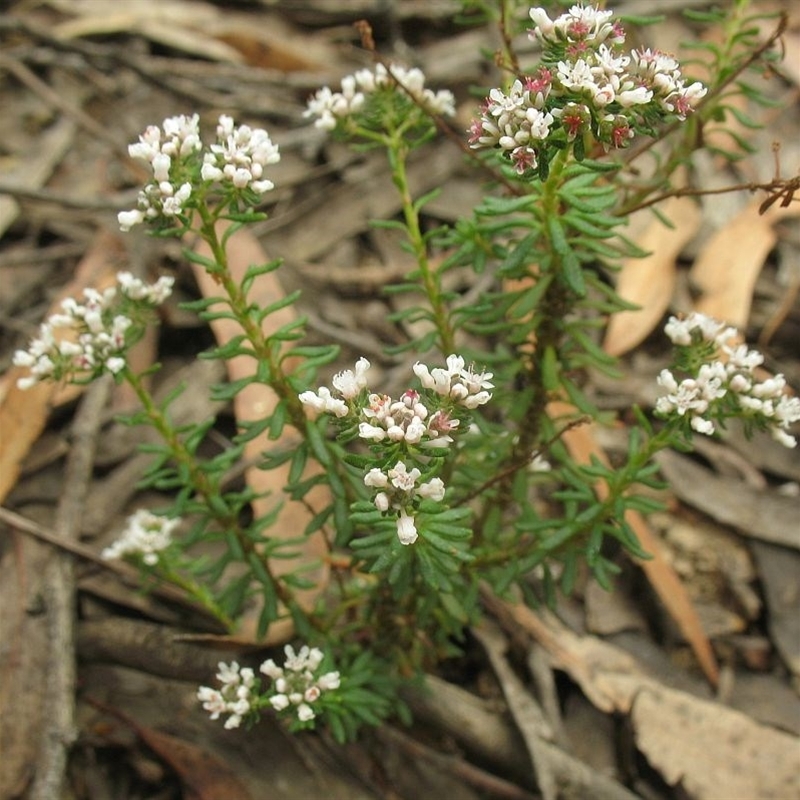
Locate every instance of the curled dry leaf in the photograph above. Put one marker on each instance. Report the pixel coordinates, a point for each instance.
(728, 266)
(649, 282)
(712, 750)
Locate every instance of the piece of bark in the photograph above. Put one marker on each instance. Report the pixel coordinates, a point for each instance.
(762, 515)
(558, 774)
(687, 739)
(145, 646)
(58, 584)
(779, 569)
(712, 751)
(478, 728)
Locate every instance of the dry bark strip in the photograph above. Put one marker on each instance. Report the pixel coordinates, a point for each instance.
(58, 589)
(708, 748)
(763, 515)
(478, 728)
(558, 774)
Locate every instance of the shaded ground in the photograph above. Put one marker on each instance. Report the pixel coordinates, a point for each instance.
(82, 79)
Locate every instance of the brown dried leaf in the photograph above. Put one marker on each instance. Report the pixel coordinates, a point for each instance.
(728, 266)
(649, 282)
(256, 402)
(202, 774)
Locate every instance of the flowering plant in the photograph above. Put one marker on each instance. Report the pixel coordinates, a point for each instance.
(459, 479)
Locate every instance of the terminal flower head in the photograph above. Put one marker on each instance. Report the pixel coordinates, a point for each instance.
(296, 686)
(235, 697)
(92, 335)
(396, 83)
(586, 88)
(184, 170)
(722, 382)
(145, 535)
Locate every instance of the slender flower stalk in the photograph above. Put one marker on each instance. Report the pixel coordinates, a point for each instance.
(398, 161)
(391, 107)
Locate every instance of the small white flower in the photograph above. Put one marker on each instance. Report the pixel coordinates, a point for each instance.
(372, 432)
(406, 530)
(145, 534)
(311, 694)
(349, 383)
(271, 669)
(432, 489)
(780, 436)
(702, 425)
(305, 712)
(402, 479)
(375, 478)
(127, 219)
(415, 431)
(279, 702)
(329, 681)
(322, 401)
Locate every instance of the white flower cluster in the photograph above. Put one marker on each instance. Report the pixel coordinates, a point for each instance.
(237, 159)
(407, 419)
(145, 534)
(328, 107)
(398, 488)
(163, 148)
(457, 382)
(727, 385)
(234, 698)
(412, 420)
(580, 24)
(347, 383)
(240, 156)
(88, 337)
(295, 687)
(587, 85)
(295, 684)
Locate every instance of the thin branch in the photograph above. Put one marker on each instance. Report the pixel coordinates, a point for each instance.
(58, 694)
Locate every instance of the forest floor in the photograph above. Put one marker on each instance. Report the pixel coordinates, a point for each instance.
(607, 697)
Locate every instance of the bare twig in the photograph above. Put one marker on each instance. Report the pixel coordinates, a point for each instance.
(58, 697)
(119, 201)
(485, 782)
(559, 773)
(54, 99)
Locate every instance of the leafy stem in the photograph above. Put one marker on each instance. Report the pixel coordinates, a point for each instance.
(397, 150)
(265, 352)
(194, 476)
